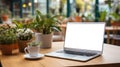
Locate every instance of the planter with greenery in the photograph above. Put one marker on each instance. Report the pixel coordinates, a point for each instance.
(24, 35)
(115, 14)
(103, 15)
(5, 14)
(45, 24)
(8, 39)
(115, 18)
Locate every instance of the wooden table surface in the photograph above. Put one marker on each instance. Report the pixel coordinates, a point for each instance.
(110, 57)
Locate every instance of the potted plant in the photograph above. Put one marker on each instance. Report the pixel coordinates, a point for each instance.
(24, 35)
(45, 24)
(8, 39)
(4, 14)
(115, 17)
(103, 15)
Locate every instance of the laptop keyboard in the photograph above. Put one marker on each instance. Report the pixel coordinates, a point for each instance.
(77, 53)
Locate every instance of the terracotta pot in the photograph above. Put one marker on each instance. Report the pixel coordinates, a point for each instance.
(4, 17)
(7, 49)
(46, 40)
(115, 24)
(78, 19)
(15, 45)
(22, 44)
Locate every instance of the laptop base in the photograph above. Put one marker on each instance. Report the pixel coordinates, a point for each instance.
(59, 54)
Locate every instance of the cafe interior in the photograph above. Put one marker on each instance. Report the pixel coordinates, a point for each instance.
(30, 22)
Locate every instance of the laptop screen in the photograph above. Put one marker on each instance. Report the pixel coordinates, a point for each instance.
(89, 35)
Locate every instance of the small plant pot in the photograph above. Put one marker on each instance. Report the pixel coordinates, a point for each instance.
(46, 40)
(15, 45)
(22, 44)
(7, 49)
(4, 17)
(78, 19)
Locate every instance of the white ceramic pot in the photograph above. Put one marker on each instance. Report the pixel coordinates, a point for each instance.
(46, 40)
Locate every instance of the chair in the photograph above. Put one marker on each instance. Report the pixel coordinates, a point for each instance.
(116, 33)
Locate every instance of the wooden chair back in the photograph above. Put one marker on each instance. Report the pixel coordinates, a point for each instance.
(116, 33)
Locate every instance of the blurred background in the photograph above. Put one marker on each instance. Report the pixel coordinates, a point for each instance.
(88, 10)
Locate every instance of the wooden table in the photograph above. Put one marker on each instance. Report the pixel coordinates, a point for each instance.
(110, 58)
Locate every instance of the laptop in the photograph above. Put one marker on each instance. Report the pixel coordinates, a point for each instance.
(83, 41)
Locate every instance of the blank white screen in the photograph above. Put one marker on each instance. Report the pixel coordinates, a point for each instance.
(85, 36)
